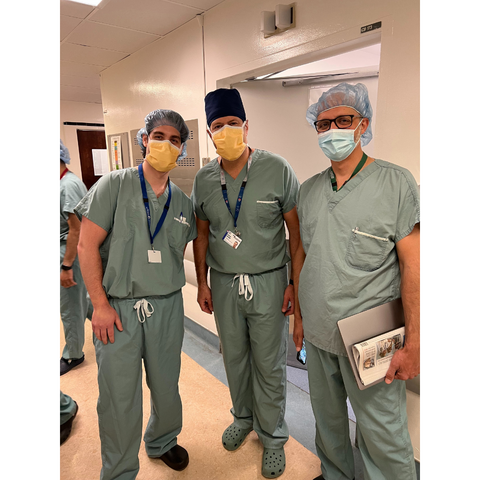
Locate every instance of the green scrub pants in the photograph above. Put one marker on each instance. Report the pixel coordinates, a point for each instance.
(254, 336)
(381, 413)
(67, 408)
(157, 339)
(75, 307)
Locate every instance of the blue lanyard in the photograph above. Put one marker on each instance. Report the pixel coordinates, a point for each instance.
(240, 194)
(147, 205)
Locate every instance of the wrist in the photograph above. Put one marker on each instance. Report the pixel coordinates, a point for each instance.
(66, 267)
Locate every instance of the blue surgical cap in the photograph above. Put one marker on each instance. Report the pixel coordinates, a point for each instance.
(173, 119)
(224, 102)
(140, 134)
(344, 95)
(64, 154)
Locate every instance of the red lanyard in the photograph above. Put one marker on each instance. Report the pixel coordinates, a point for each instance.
(63, 174)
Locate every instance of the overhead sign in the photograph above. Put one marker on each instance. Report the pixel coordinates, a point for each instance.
(369, 28)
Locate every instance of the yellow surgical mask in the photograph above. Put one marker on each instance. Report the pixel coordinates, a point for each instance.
(163, 155)
(229, 142)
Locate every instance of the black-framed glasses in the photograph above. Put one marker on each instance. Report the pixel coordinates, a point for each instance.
(343, 121)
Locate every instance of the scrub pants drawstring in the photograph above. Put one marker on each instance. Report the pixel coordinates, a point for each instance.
(143, 307)
(244, 286)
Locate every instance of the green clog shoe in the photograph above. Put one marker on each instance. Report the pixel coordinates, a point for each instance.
(234, 436)
(273, 464)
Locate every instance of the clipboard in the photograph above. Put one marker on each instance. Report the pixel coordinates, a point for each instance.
(369, 324)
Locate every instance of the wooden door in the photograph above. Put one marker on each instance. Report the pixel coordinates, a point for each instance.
(88, 140)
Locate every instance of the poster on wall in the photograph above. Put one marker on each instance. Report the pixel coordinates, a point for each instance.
(116, 146)
(100, 162)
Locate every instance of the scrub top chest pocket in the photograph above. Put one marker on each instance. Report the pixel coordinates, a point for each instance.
(177, 232)
(269, 213)
(367, 251)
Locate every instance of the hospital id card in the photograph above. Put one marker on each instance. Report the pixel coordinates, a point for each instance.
(154, 256)
(231, 239)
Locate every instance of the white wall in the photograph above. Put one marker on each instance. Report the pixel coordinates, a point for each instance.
(82, 113)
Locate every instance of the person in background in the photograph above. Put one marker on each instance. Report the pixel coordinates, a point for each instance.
(68, 412)
(360, 231)
(140, 134)
(75, 305)
(135, 226)
(242, 201)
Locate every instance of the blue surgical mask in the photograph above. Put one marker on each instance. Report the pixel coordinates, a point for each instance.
(338, 144)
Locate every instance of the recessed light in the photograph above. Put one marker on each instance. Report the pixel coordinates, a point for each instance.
(93, 3)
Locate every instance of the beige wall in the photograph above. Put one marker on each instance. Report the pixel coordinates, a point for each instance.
(82, 113)
(169, 72)
(165, 74)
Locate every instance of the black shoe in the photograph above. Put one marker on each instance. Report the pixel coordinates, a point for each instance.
(66, 427)
(67, 365)
(176, 458)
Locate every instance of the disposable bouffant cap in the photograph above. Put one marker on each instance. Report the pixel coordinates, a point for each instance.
(224, 102)
(344, 95)
(140, 133)
(173, 119)
(64, 153)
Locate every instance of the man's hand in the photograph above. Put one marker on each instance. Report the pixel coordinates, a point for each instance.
(103, 321)
(298, 331)
(288, 297)
(405, 364)
(66, 279)
(204, 299)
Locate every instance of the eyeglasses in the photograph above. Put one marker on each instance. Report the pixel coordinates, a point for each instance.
(344, 121)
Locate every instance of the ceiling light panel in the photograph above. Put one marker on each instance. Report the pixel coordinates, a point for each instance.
(93, 3)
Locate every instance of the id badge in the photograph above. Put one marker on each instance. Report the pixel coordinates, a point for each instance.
(154, 256)
(231, 239)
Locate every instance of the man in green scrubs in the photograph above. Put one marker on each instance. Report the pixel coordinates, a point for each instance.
(75, 305)
(68, 412)
(135, 227)
(360, 230)
(242, 199)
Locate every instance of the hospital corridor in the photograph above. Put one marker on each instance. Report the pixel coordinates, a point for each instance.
(239, 239)
(206, 404)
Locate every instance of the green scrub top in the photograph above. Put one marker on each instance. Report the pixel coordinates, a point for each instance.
(349, 239)
(115, 203)
(271, 191)
(72, 190)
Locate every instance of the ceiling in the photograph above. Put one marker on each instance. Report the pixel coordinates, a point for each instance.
(94, 38)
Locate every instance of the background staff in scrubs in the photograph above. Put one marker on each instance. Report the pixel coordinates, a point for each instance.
(135, 227)
(75, 305)
(360, 230)
(242, 199)
(68, 412)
